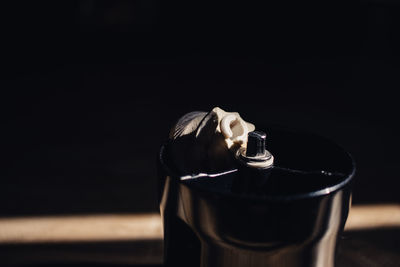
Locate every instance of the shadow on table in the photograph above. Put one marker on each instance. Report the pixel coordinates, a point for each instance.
(110, 253)
(366, 248)
(369, 248)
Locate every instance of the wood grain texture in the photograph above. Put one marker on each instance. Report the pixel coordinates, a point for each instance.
(373, 216)
(82, 228)
(120, 227)
(371, 238)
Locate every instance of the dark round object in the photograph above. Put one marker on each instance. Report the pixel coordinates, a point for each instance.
(293, 219)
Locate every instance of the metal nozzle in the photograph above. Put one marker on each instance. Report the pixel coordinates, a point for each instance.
(256, 144)
(255, 154)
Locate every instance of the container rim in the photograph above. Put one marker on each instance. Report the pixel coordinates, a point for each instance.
(268, 198)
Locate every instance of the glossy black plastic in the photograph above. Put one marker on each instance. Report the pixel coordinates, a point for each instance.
(290, 216)
(255, 144)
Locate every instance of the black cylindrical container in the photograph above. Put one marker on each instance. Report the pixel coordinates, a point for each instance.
(293, 220)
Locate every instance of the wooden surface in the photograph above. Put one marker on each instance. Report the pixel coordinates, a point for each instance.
(136, 239)
(81, 228)
(122, 227)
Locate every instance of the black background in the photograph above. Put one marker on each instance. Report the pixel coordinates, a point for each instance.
(89, 90)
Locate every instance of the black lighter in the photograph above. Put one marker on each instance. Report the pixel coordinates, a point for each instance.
(250, 208)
